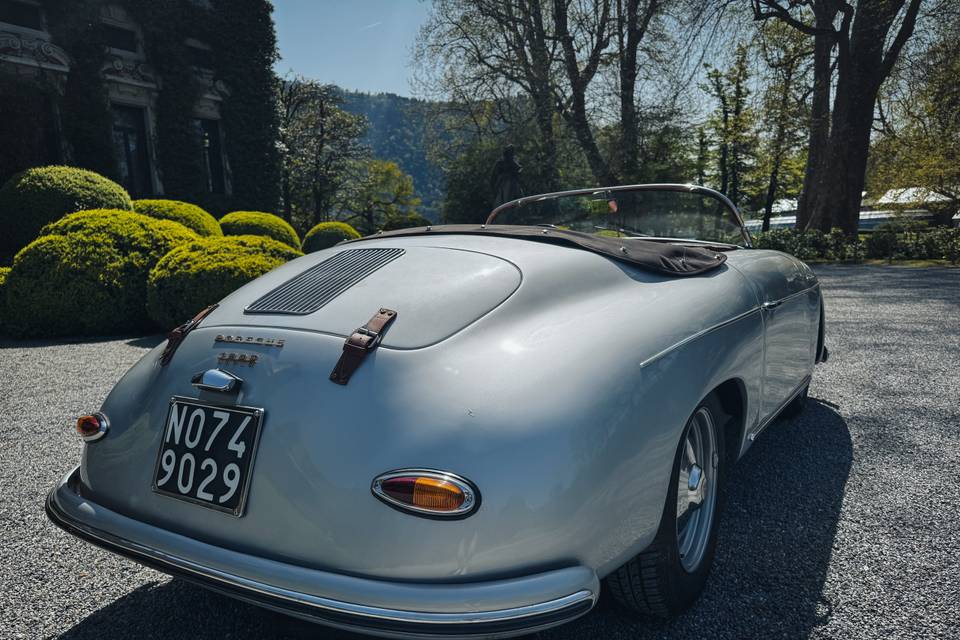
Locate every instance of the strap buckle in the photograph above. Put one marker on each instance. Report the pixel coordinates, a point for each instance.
(360, 343)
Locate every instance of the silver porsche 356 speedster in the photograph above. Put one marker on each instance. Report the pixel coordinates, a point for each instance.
(460, 430)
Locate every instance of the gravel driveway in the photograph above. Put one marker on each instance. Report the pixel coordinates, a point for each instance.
(843, 523)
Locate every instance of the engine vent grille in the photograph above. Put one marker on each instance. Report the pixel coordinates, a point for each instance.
(323, 282)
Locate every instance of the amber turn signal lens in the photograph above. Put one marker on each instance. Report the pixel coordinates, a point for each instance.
(92, 427)
(427, 492)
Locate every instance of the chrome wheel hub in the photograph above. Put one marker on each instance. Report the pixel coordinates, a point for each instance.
(696, 496)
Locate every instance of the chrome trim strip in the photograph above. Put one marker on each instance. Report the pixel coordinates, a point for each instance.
(112, 542)
(698, 334)
(773, 416)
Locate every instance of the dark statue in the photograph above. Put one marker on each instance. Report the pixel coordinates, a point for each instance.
(505, 180)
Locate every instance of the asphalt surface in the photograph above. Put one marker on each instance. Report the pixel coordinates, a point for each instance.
(842, 523)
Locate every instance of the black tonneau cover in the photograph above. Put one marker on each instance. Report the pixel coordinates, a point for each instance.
(660, 257)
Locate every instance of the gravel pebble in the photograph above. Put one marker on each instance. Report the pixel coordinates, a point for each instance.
(841, 523)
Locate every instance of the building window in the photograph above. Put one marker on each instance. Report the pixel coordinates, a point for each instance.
(212, 150)
(21, 14)
(130, 148)
(120, 38)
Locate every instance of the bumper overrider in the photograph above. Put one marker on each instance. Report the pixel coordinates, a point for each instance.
(494, 609)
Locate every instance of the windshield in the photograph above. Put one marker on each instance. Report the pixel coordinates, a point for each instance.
(658, 211)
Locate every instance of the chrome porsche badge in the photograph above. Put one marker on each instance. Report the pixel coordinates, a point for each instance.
(251, 340)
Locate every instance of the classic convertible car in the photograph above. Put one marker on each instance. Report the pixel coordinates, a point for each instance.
(460, 430)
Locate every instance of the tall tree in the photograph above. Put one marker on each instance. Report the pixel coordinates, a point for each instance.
(786, 53)
(869, 39)
(490, 50)
(553, 52)
(733, 124)
(383, 192)
(919, 144)
(322, 149)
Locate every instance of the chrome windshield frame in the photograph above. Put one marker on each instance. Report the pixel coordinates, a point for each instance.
(685, 188)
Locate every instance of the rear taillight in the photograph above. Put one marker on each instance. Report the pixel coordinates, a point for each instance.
(427, 492)
(93, 427)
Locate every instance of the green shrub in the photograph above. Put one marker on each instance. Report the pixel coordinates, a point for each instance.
(34, 197)
(812, 245)
(258, 223)
(4, 272)
(200, 273)
(327, 234)
(883, 242)
(943, 244)
(88, 274)
(189, 215)
(407, 221)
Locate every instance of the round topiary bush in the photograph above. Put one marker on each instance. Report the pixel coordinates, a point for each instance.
(327, 234)
(200, 273)
(34, 197)
(258, 223)
(189, 215)
(88, 274)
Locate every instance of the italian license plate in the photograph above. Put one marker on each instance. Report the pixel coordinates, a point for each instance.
(206, 456)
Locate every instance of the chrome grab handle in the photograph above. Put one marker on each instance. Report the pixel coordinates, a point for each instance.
(772, 305)
(216, 380)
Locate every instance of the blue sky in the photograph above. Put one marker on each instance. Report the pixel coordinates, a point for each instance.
(357, 44)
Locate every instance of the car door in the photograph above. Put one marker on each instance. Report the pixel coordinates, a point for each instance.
(789, 303)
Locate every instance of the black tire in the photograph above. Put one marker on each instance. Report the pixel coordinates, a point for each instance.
(654, 583)
(798, 404)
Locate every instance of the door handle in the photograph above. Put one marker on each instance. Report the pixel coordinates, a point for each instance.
(772, 305)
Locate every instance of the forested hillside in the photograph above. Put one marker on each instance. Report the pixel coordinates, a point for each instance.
(398, 131)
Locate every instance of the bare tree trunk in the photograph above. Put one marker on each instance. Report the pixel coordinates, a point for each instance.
(819, 122)
(580, 75)
(548, 142)
(631, 31)
(862, 66)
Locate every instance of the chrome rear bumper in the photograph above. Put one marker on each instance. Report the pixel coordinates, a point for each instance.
(91, 522)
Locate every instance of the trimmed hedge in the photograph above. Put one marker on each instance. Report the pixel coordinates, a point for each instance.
(259, 223)
(200, 273)
(327, 234)
(901, 240)
(189, 215)
(87, 275)
(34, 197)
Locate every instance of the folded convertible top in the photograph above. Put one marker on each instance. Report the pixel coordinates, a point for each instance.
(661, 257)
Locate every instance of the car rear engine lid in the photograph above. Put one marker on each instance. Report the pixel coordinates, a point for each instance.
(436, 291)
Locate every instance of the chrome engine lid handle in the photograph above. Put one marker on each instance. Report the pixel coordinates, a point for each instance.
(216, 380)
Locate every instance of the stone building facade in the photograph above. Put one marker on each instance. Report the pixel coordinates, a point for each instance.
(35, 71)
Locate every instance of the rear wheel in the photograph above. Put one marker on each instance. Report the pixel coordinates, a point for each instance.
(667, 577)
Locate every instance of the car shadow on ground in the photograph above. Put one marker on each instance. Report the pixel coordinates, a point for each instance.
(783, 504)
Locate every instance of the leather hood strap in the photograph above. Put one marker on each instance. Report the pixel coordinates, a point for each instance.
(175, 337)
(360, 343)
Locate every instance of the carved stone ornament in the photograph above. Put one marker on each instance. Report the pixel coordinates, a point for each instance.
(33, 51)
(126, 70)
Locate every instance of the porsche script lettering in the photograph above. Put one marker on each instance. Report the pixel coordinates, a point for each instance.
(266, 342)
